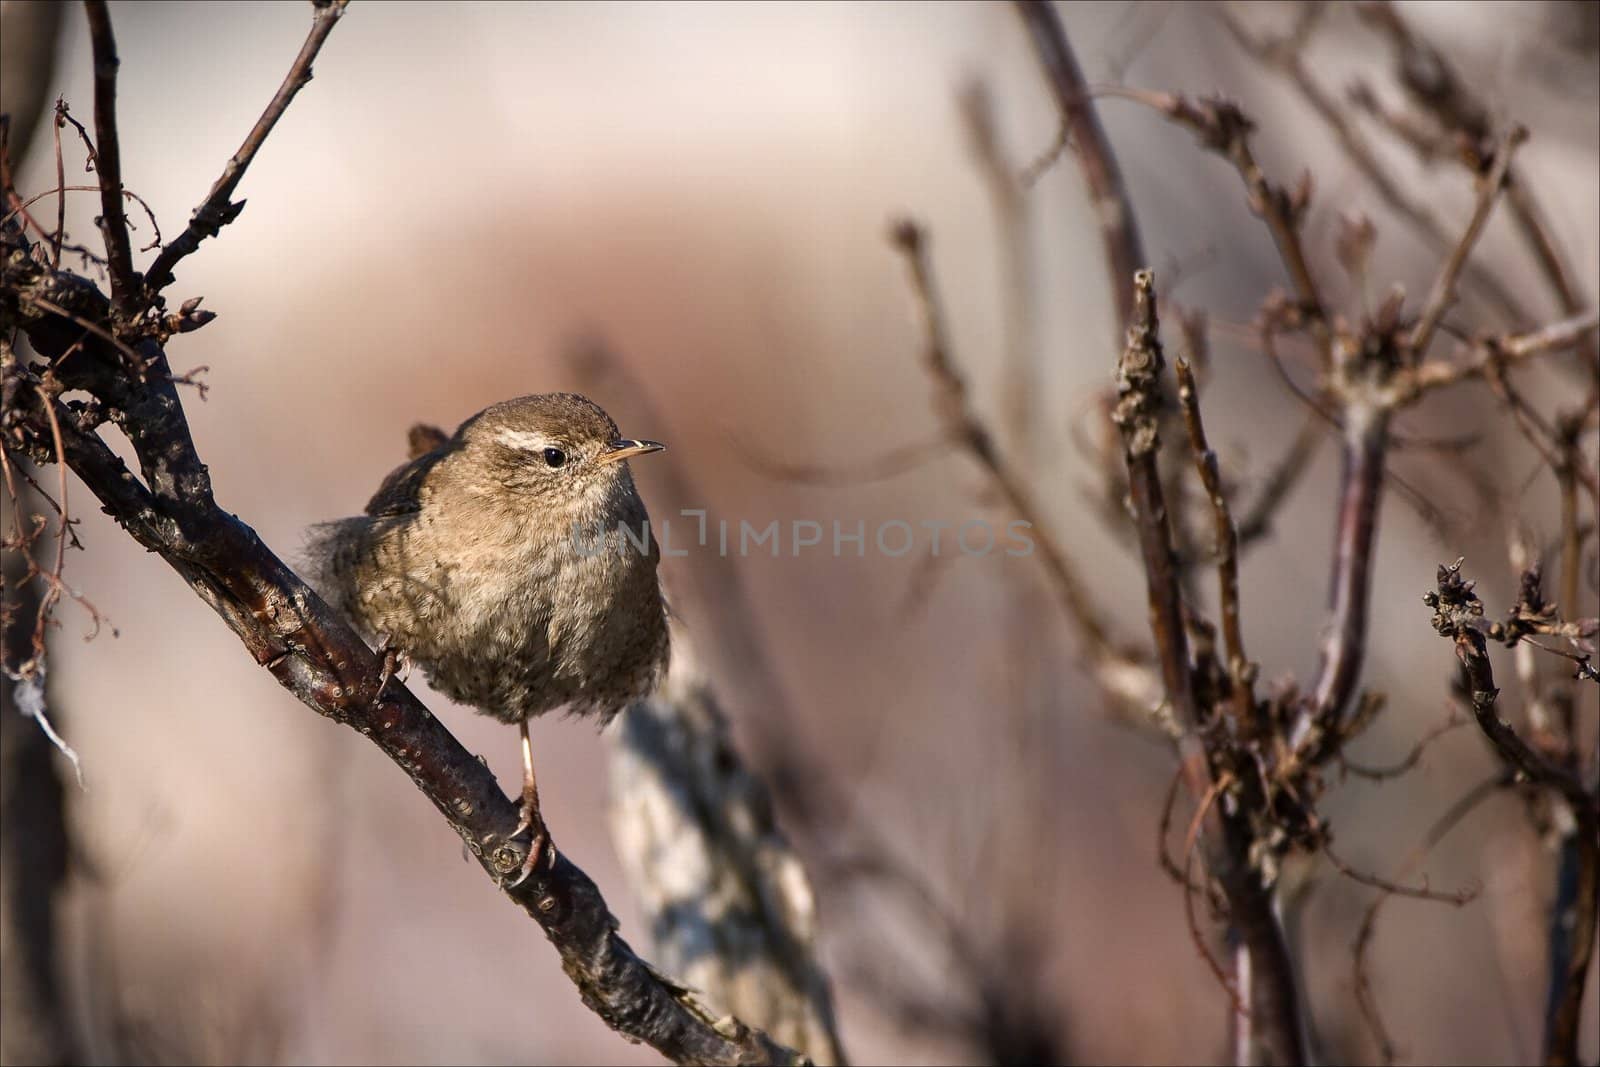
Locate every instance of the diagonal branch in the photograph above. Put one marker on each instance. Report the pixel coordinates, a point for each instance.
(217, 210)
(1119, 229)
(1444, 286)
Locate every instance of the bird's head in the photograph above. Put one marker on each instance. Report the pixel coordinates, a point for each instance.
(560, 449)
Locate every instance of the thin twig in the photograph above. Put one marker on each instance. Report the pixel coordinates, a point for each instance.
(1443, 292)
(1240, 670)
(61, 184)
(1119, 229)
(1411, 759)
(217, 210)
(1190, 839)
(1223, 128)
(965, 428)
(1363, 940)
(1395, 888)
(1287, 56)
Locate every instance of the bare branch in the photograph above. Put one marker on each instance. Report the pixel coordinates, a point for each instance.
(1274, 1008)
(1287, 55)
(218, 209)
(1443, 292)
(1445, 823)
(1508, 351)
(1240, 670)
(963, 426)
(1222, 127)
(1457, 614)
(1119, 229)
(108, 162)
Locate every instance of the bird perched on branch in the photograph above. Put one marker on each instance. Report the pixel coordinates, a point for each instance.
(513, 562)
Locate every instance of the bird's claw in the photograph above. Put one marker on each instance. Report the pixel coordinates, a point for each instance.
(529, 816)
(395, 661)
(531, 860)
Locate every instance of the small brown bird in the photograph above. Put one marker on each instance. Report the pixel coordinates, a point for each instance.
(513, 562)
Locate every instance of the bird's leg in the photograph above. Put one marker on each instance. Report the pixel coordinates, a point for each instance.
(530, 815)
(395, 661)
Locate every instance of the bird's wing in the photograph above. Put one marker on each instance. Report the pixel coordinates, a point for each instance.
(401, 491)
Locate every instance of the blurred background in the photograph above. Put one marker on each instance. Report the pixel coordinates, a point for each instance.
(472, 202)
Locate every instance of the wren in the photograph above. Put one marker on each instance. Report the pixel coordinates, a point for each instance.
(513, 562)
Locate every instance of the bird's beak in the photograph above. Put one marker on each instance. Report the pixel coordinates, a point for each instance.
(623, 448)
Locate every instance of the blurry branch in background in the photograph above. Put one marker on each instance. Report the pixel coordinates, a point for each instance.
(1462, 124)
(1080, 127)
(1022, 405)
(1286, 53)
(1127, 684)
(731, 909)
(112, 351)
(1452, 817)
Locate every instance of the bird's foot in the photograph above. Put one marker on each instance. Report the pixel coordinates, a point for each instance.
(395, 661)
(529, 816)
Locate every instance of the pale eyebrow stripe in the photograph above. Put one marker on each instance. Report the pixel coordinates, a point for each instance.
(524, 439)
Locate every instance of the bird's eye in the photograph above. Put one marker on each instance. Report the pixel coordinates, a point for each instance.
(554, 457)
